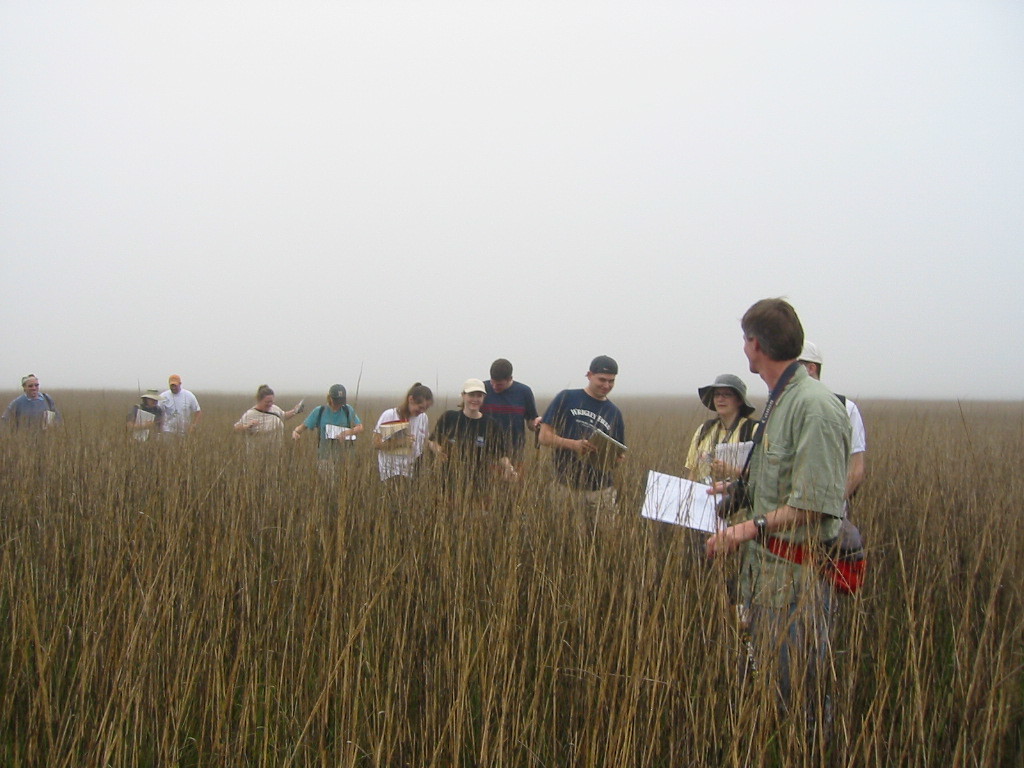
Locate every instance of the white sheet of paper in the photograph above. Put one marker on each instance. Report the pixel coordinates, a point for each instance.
(734, 454)
(143, 417)
(332, 432)
(681, 502)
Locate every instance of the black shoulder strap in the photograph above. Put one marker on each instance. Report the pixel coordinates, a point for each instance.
(842, 398)
(773, 398)
(747, 430)
(49, 402)
(319, 422)
(705, 428)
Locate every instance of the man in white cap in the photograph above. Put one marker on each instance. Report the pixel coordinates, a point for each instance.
(811, 359)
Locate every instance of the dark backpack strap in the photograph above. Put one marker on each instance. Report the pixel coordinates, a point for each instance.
(705, 428)
(842, 398)
(747, 430)
(49, 402)
(319, 423)
(349, 413)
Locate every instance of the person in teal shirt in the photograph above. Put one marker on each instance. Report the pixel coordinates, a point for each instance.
(336, 425)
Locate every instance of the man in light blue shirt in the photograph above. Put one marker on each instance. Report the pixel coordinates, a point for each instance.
(32, 410)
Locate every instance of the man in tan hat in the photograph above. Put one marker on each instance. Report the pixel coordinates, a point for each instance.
(147, 417)
(181, 409)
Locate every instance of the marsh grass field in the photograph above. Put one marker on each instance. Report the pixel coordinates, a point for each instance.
(197, 604)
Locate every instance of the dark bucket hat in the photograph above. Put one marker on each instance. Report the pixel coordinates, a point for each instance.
(726, 380)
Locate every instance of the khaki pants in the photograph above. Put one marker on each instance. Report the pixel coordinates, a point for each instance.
(585, 507)
(587, 501)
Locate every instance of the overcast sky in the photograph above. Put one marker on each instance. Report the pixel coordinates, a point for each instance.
(292, 193)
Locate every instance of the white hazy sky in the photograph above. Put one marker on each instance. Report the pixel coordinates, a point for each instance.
(292, 192)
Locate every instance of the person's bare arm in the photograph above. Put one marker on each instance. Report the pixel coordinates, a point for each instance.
(780, 519)
(855, 474)
(552, 440)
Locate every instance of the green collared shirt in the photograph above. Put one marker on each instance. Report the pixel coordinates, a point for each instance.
(801, 461)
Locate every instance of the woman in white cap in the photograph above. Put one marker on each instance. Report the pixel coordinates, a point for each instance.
(727, 397)
(471, 444)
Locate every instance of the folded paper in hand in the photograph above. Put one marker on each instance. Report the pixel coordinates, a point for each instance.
(333, 432)
(391, 434)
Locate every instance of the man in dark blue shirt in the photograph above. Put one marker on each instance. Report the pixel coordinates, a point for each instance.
(568, 427)
(512, 405)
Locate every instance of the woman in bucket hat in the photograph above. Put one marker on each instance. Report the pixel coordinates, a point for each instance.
(727, 397)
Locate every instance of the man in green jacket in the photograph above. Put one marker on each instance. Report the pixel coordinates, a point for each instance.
(796, 486)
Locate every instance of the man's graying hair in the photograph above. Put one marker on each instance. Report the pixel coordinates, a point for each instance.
(776, 327)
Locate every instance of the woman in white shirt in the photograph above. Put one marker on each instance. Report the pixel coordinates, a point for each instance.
(400, 435)
(265, 420)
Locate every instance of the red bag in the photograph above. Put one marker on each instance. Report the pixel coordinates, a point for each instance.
(844, 563)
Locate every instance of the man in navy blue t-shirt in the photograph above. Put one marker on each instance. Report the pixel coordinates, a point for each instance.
(511, 404)
(571, 419)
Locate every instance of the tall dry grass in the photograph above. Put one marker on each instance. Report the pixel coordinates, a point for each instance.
(197, 604)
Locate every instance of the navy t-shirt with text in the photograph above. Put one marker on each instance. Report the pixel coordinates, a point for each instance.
(575, 415)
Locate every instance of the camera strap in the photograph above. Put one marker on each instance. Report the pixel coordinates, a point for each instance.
(773, 398)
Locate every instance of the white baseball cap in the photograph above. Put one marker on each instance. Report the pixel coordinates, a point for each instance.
(811, 353)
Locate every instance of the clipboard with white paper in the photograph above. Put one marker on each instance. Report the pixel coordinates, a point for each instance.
(675, 500)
